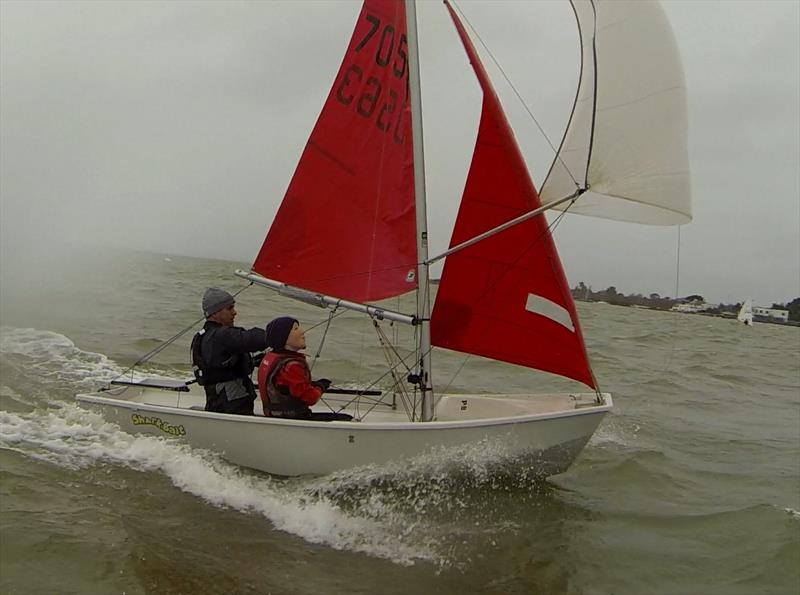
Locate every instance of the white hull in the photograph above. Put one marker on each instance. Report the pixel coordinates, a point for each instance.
(543, 432)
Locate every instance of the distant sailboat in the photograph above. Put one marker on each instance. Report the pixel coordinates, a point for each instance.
(357, 206)
(746, 313)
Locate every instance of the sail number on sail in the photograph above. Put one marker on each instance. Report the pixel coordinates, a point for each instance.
(373, 84)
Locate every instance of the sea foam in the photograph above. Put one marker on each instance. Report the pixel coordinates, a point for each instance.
(72, 437)
(381, 511)
(48, 355)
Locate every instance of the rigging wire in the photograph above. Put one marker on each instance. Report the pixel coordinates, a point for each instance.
(382, 337)
(455, 375)
(375, 383)
(675, 323)
(331, 316)
(676, 317)
(360, 365)
(325, 321)
(153, 352)
(388, 352)
(517, 94)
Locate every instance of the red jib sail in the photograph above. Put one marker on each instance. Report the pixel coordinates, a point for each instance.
(346, 224)
(505, 297)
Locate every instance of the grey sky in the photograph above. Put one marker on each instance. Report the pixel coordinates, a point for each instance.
(141, 124)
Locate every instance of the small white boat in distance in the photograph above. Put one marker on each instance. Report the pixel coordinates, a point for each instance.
(746, 313)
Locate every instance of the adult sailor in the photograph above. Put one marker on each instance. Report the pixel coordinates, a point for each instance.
(221, 356)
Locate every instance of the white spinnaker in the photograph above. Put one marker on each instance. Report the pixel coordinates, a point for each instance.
(638, 166)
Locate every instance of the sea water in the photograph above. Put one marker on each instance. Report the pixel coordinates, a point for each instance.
(690, 486)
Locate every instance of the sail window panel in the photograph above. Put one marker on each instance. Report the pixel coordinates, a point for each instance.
(536, 304)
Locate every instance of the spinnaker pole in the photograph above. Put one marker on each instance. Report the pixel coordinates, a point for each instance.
(505, 226)
(423, 272)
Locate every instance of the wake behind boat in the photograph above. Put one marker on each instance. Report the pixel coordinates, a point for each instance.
(357, 205)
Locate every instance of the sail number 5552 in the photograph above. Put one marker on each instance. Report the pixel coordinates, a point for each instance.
(369, 97)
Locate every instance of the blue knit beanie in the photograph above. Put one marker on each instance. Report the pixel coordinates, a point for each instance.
(278, 331)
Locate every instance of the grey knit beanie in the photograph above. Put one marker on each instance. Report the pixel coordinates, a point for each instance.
(215, 299)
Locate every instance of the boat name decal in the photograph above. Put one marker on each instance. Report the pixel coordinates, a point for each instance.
(143, 420)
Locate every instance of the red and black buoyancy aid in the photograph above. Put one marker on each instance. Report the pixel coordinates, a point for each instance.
(277, 400)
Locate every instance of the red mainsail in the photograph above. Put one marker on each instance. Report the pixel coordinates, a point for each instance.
(505, 297)
(346, 226)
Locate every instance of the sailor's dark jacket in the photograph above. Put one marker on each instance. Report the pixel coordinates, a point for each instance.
(223, 365)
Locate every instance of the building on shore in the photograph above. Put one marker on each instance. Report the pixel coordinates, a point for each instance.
(770, 314)
(692, 307)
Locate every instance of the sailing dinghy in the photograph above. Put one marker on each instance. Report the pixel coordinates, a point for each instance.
(503, 294)
(745, 315)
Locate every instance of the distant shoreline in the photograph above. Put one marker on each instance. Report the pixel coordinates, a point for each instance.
(728, 315)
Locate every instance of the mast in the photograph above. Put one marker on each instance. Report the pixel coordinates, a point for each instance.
(423, 279)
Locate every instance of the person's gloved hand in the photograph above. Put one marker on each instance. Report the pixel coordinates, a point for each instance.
(323, 384)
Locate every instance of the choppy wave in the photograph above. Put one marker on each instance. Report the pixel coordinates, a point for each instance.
(690, 450)
(72, 437)
(615, 431)
(795, 514)
(52, 356)
(376, 510)
(402, 512)
(9, 394)
(51, 359)
(373, 510)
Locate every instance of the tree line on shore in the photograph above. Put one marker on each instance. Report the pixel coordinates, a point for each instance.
(655, 301)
